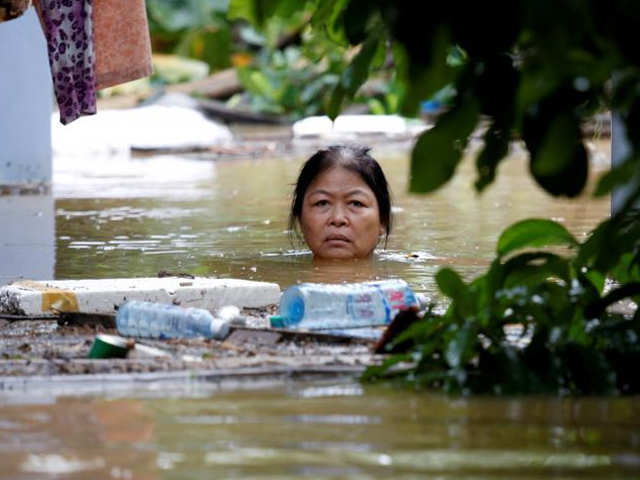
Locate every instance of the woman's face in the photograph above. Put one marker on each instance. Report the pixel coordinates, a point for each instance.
(340, 216)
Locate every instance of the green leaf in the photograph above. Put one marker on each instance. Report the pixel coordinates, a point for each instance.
(329, 16)
(353, 77)
(559, 160)
(555, 151)
(533, 233)
(496, 147)
(450, 283)
(424, 80)
(358, 17)
(533, 269)
(374, 372)
(459, 346)
(257, 12)
(253, 11)
(618, 176)
(438, 151)
(597, 279)
(335, 101)
(358, 71)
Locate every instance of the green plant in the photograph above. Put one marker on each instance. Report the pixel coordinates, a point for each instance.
(192, 28)
(567, 341)
(295, 80)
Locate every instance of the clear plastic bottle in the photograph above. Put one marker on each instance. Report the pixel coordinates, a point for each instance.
(159, 320)
(320, 306)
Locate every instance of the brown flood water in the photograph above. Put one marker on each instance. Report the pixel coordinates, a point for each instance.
(228, 218)
(338, 430)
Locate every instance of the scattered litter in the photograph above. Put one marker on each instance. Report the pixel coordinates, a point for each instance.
(319, 306)
(103, 296)
(243, 337)
(110, 346)
(159, 320)
(143, 351)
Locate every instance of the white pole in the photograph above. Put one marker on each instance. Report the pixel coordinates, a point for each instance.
(26, 100)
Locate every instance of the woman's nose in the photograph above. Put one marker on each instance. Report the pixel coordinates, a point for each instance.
(338, 216)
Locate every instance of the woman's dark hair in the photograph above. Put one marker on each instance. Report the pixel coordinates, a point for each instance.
(354, 158)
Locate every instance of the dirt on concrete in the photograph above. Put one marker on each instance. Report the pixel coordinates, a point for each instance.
(61, 346)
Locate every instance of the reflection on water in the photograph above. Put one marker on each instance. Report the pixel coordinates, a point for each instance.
(321, 431)
(229, 219)
(27, 244)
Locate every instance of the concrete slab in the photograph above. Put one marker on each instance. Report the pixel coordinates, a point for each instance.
(103, 296)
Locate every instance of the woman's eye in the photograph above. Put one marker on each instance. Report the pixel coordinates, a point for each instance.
(357, 203)
(320, 203)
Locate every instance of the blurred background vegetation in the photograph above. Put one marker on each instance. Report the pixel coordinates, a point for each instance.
(285, 68)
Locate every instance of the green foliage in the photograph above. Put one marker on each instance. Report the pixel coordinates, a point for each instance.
(192, 28)
(535, 77)
(287, 82)
(565, 341)
(444, 146)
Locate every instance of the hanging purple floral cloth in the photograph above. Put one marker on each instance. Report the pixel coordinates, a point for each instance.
(68, 29)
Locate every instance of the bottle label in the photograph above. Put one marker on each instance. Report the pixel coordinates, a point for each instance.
(368, 308)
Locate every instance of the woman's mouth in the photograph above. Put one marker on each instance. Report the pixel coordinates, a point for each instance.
(337, 239)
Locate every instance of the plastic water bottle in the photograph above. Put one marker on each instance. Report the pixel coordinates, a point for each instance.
(159, 320)
(320, 306)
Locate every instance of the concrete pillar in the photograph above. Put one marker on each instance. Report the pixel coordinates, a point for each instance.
(27, 221)
(26, 100)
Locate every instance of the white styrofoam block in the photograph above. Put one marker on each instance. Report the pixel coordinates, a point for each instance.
(105, 295)
(165, 126)
(386, 124)
(322, 126)
(312, 126)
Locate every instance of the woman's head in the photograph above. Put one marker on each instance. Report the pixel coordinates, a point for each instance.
(342, 203)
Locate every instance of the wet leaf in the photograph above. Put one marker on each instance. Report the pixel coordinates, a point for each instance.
(596, 278)
(496, 147)
(438, 151)
(424, 79)
(335, 101)
(257, 12)
(358, 71)
(559, 162)
(533, 233)
(459, 347)
(358, 18)
(451, 284)
(617, 176)
(531, 269)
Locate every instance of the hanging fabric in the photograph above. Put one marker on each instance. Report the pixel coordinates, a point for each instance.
(10, 9)
(68, 29)
(122, 43)
(93, 44)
